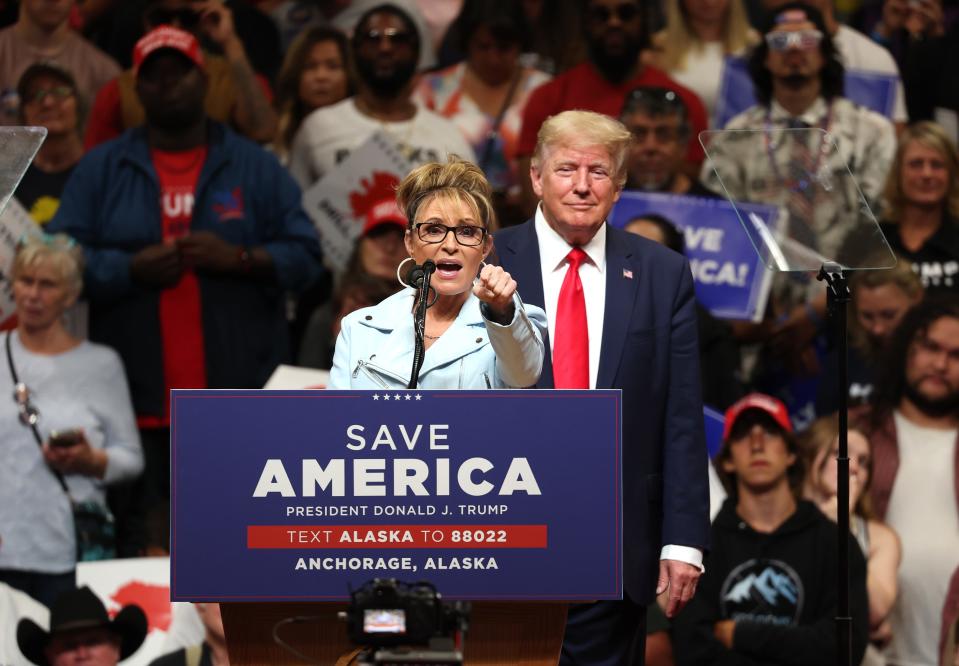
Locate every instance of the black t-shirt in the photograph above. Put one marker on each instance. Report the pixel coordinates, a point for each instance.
(937, 261)
(40, 192)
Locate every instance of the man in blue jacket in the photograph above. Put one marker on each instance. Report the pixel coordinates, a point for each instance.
(192, 237)
(622, 315)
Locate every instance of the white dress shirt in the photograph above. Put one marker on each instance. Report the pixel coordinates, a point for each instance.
(592, 273)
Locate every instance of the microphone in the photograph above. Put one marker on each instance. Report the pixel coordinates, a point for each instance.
(419, 272)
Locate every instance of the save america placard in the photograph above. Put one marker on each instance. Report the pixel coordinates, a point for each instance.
(298, 495)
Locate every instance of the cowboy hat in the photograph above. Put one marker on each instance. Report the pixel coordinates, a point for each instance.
(82, 609)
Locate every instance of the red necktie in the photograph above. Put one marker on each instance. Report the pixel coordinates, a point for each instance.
(571, 346)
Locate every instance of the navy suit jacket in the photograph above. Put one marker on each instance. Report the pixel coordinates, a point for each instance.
(650, 351)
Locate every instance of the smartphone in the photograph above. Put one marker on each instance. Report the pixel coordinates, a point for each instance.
(66, 438)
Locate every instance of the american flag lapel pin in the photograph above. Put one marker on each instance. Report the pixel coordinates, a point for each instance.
(628, 274)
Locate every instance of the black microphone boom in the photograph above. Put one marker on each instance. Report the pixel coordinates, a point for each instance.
(419, 278)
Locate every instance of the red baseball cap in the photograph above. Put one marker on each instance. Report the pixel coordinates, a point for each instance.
(385, 212)
(167, 37)
(766, 403)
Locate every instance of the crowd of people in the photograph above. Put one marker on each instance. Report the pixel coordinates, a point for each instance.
(182, 135)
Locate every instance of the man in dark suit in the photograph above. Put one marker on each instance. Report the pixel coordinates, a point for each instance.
(622, 314)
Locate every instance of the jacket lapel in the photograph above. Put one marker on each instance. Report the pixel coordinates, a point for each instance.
(622, 282)
(520, 257)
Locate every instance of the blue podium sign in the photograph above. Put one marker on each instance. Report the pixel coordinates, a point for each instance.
(297, 495)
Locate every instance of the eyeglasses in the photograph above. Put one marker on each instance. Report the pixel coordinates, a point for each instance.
(469, 235)
(187, 19)
(782, 40)
(624, 12)
(392, 35)
(29, 415)
(654, 101)
(58, 93)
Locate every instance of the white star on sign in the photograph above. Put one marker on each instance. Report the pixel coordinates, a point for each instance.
(396, 397)
(376, 396)
(419, 397)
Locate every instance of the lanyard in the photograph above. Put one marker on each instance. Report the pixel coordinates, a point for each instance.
(823, 145)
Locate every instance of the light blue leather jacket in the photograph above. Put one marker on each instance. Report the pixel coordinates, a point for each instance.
(375, 348)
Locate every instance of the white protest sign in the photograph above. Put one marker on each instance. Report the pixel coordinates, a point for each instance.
(339, 203)
(144, 581)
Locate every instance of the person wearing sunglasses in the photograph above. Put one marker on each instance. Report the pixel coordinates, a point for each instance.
(68, 430)
(236, 94)
(50, 99)
(42, 34)
(385, 50)
(798, 80)
(615, 37)
(857, 52)
(477, 334)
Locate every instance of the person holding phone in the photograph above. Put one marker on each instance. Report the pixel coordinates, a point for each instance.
(67, 429)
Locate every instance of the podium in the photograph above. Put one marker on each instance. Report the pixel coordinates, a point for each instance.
(283, 501)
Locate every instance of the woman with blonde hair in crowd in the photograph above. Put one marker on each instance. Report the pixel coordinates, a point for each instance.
(698, 36)
(315, 73)
(67, 429)
(819, 446)
(921, 214)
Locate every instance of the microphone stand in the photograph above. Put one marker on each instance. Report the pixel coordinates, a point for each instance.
(420, 277)
(837, 297)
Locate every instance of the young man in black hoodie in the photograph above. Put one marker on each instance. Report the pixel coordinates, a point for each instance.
(769, 592)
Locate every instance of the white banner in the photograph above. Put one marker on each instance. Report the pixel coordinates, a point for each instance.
(339, 203)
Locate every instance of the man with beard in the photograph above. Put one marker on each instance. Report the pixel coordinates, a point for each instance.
(659, 123)
(192, 237)
(913, 428)
(613, 30)
(385, 48)
(798, 80)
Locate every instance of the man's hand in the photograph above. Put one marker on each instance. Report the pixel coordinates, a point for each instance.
(723, 631)
(894, 14)
(496, 287)
(207, 251)
(157, 265)
(680, 579)
(216, 21)
(925, 19)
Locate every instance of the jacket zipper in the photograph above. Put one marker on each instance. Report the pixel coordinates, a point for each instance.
(373, 372)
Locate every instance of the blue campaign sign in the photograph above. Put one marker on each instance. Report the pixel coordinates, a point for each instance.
(730, 278)
(713, 422)
(870, 89)
(297, 495)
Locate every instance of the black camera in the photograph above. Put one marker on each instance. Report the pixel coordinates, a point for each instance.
(387, 613)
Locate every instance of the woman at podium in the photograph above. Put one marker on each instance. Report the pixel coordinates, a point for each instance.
(477, 333)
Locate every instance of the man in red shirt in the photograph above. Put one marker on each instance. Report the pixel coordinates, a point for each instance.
(614, 36)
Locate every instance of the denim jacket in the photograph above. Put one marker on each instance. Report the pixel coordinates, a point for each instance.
(375, 348)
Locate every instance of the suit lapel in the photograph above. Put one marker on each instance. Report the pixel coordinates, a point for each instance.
(622, 281)
(519, 255)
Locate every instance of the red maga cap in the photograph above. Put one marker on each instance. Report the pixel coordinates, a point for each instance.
(167, 37)
(385, 212)
(772, 406)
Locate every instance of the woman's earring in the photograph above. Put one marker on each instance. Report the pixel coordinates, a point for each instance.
(398, 272)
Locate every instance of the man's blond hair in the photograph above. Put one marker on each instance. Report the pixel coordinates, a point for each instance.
(581, 129)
